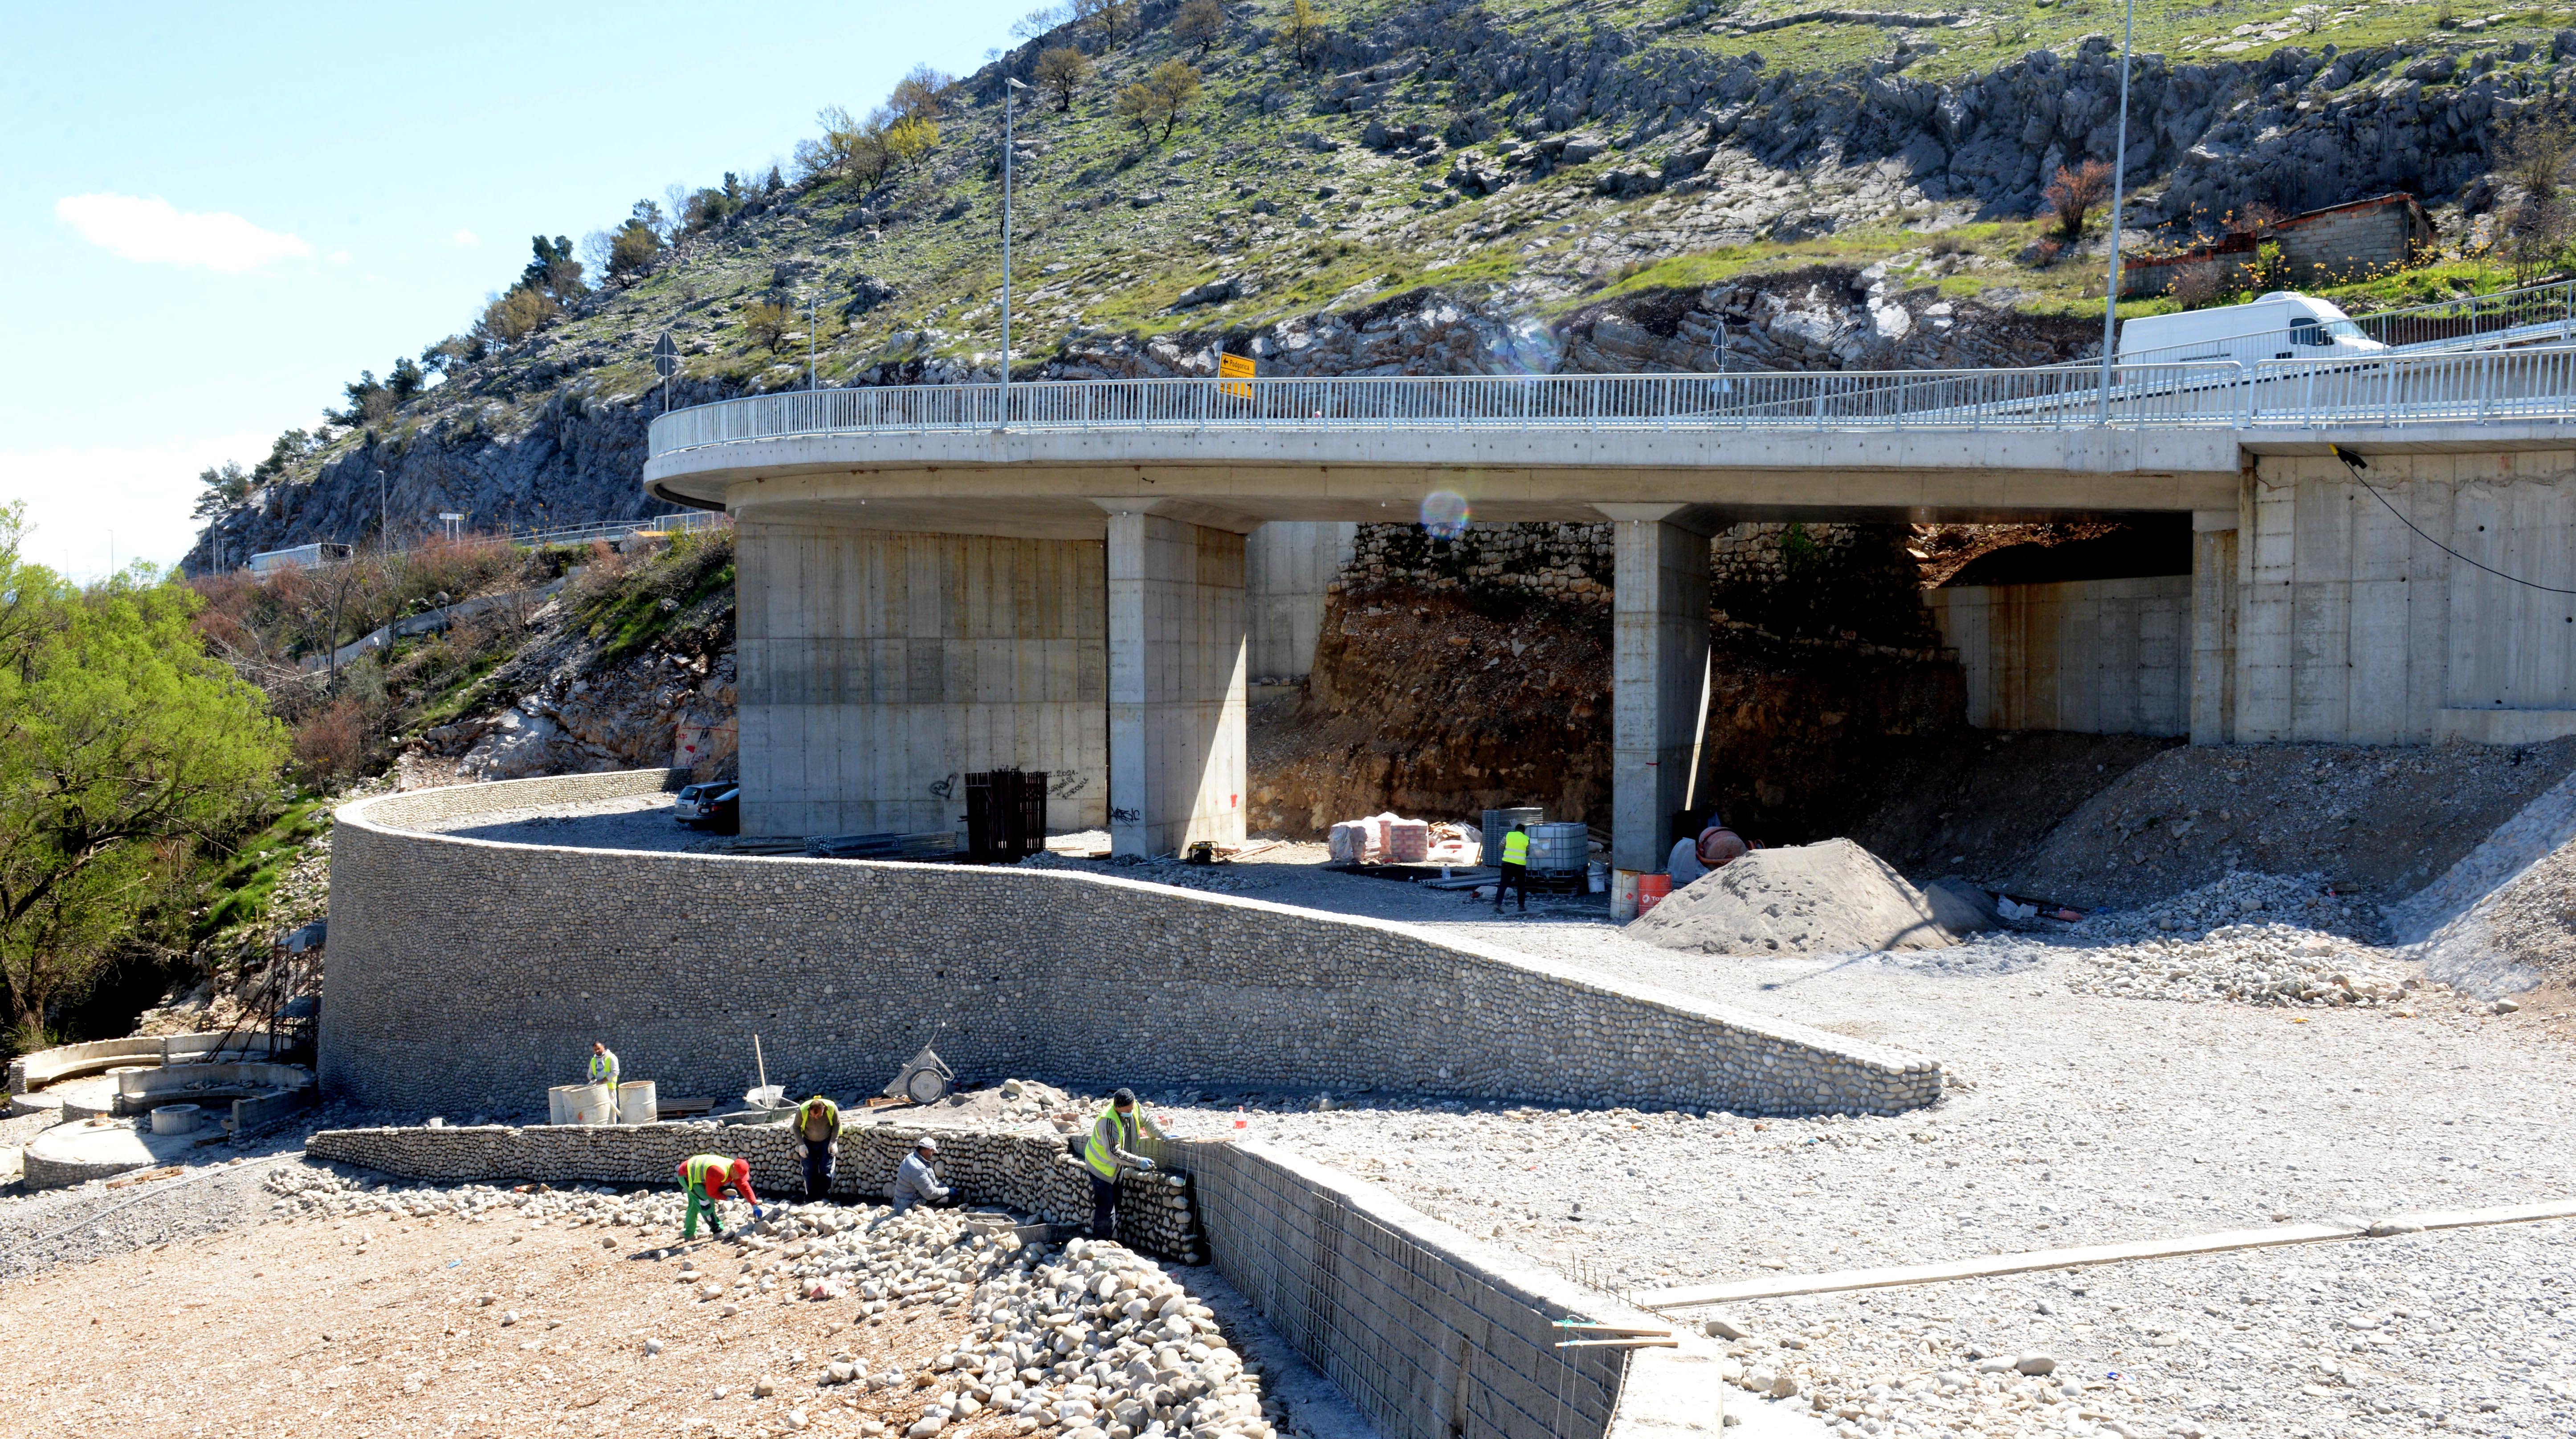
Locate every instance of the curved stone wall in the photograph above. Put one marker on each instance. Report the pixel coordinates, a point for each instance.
(467, 974)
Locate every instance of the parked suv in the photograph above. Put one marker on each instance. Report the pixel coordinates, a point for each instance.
(715, 806)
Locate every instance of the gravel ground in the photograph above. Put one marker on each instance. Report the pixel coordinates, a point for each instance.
(2273, 1091)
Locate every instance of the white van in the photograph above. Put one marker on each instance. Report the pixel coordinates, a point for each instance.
(2282, 325)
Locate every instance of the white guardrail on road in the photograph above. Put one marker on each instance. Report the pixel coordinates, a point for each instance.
(2443, 388)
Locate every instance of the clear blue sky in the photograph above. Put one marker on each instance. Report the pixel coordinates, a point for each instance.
(213, 216)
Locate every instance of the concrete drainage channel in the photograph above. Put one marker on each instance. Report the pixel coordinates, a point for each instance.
(129, 1104)
(1426, 1331)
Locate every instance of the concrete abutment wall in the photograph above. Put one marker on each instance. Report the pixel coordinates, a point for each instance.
(880, 668)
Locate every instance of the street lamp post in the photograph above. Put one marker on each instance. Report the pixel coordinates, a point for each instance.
(1011, 89)
(2119, 182)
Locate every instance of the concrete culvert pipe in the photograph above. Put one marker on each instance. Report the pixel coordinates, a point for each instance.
(175, 1118)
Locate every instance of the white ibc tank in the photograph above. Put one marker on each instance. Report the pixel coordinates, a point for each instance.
(637, 1103)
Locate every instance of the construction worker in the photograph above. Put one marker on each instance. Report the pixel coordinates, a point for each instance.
(706, 1177)
(603, 1070)
(818, 1143)
(1107, 1152)
(915, 1182)
(1514, 869)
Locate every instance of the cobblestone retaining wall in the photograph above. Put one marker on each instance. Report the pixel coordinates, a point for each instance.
(468, 975)
(1430, 1333)
(1031, 1175)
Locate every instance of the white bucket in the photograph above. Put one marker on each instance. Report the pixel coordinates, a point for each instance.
(174, 1118)
(1596, 876)
(637, 1103)
(580, 1104)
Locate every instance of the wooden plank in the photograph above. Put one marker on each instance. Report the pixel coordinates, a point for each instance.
(1986, 1266)
(1989, 1265)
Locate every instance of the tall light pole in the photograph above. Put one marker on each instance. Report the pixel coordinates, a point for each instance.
(2119, 182)
(813, 322)
(1011, 89)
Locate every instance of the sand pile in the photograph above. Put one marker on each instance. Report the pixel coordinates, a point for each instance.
(1829, 898)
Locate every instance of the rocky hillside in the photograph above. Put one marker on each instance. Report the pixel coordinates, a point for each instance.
(1425, 186)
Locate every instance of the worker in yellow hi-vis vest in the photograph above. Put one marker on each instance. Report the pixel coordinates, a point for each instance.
(706, 1177)
(1108, 1151)
(1514, 868)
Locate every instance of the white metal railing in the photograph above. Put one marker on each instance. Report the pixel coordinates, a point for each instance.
(686, 520)
(2444, 386)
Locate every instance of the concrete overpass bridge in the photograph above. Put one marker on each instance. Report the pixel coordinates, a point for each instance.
(940, 579)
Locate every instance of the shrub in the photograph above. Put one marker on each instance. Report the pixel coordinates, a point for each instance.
(907, 140)
(514, 316)
(1301, 30)
(2535, 155)
(766, 323)
(1200, 23)
(1063, 70)
(921, 94)
(1161, 98)
(2074, 193)
(331, 743)
(2197, 285)
(632, 250)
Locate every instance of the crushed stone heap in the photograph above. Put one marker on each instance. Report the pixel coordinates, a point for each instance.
(1828, 898)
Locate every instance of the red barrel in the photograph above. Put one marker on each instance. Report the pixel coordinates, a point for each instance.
(1652, 890)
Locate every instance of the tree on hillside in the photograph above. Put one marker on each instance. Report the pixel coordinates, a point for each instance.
(226, 486)
(907, 140)
(1063, 70)
(1200, 23)
(2536, 155)
(920, 95)
(2074, 193)
(1161, 98)
(122, 744)
(405, 381)
(766, 323)
(553, 271)
(1037, 22)
(1110, 19)
(632, 250)
(1301, 29)
(509, 318)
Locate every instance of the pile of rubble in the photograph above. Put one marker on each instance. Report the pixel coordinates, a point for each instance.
(2261, 964)
(1970, 1386)
(2304, 900)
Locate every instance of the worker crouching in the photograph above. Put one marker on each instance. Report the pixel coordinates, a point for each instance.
(915, 1182)
(706, 1177)
(818, 1144)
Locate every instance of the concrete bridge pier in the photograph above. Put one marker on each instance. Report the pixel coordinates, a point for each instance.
(1659, 648)
(1178, 656)
(2213, 625)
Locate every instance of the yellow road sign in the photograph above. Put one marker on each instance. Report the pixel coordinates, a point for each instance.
(1234, 367)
